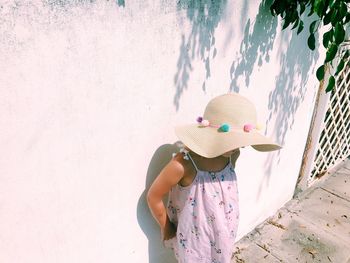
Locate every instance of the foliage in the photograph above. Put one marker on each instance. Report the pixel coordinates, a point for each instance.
(333, 14)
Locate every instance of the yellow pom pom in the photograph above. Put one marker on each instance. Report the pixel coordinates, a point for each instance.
(259, 127)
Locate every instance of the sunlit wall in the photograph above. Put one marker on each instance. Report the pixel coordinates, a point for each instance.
(89, 94)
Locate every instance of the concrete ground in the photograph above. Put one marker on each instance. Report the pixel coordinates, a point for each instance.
(314, 227)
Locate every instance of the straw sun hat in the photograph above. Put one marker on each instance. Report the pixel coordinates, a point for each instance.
(229, 122)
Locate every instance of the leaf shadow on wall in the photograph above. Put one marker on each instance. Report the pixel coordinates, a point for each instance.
(156, 251)
(295, 66)
(70, 3)
(67, 3)
(259, 37)
(204, 16)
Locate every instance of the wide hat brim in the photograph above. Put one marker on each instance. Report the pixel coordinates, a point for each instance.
(209, 142)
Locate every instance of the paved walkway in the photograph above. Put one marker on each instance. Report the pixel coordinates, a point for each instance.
(314, 227)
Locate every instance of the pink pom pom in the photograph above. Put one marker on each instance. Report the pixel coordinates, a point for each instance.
(205, 123)
(248, 127)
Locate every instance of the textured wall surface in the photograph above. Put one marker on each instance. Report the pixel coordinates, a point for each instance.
(89, 94)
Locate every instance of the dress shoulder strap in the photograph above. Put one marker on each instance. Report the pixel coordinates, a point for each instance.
(187, 156)
(194, 164)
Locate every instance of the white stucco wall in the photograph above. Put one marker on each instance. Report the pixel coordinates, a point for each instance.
(89, 95)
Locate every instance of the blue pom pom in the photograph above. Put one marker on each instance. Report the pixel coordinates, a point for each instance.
(225, 127)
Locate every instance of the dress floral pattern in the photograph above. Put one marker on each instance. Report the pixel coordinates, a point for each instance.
(206, 214)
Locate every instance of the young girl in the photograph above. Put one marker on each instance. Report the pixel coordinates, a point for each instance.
(201, 219)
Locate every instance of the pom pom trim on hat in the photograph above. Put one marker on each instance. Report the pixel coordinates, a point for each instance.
(205, 123)
(248, 127)
(225, 127)
(199, 119)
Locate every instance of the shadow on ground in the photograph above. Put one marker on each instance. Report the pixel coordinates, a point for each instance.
(204, 16)
(157, 253)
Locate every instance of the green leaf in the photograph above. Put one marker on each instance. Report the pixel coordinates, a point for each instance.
(286, 24)
(331, 84)
(339, 33)
(311, 41)
(347, 19)
(346, 54)
(296, 23)
(302, 8)
(312, 27)
(287, 20)
(294, 16)
(320, 73)
(318, 7)
(272, 10)
(332, 3)
(340, 66)
(331, 52)
(327, 37)
(334, 18)
(278, 7)
(311, 12)
(300, 27)
(328, 17)
(343, 10)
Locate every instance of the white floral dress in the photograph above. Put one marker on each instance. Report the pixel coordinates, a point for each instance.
(206, 214)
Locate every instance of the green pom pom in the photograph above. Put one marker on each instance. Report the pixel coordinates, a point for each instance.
(225, 127)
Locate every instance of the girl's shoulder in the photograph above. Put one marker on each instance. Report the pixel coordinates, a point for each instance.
(181, 161)
(177, 165)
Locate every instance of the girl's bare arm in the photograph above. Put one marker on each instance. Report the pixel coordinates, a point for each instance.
(168, 177)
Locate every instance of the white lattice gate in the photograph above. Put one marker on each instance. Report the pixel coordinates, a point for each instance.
(329, 138)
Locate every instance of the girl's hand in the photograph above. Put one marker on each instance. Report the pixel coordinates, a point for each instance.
(169, 231)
